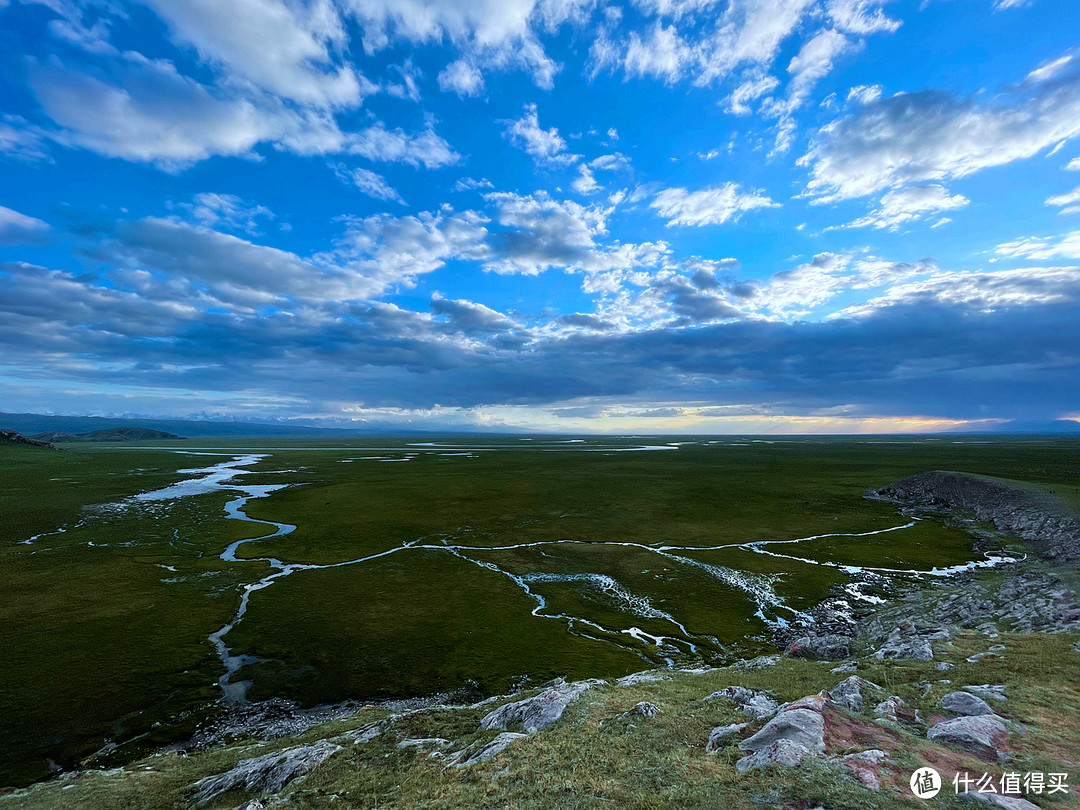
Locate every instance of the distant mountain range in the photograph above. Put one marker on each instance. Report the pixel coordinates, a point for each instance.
(119, 434)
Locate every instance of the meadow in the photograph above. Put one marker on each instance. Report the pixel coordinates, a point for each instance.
(409, 567)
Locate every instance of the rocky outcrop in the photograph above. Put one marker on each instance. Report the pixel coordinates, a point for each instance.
(1031, 514)
(644, 709)
(266, 774)
(752, 702)
(496, 746)
(794, 734)
(541, 711)
(965, 704)
(719, 735)
(828, 647)
(13, 437)
(849, 693)
(983, 735)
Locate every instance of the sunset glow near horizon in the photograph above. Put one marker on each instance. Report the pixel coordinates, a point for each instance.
(695, 216)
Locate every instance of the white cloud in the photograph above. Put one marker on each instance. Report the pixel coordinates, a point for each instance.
(796, 292)
(495, 33)
(1041, 249)
(932, 135)
(814, 61)
(545, 145)
(368, 182)
(1073, 165)
(471, 184)
(983, 291)
(1069, 202)
(538, 233)
(750, 90)
(585, 183)
(909, 204)
(462, 78)
(860, 17)
(705, 47)
(470, 316)
(20, 139)
(662, 55)
(286, 49)
(864, 93)
(16, 228)
(610, 163)
(396, 146)
(228, 211)
(710, 206)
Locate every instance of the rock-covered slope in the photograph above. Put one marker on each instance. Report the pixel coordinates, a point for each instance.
(12, 437)
(1052, 531)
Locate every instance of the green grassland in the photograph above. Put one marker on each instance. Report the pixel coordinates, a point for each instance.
(104, 627)
(597, 756)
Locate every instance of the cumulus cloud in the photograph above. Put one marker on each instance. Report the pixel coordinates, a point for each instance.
(747, 34)
(16, 228)
(738, 103)
(585, 182)
(661, 54)
(469, 316)
(710, 206)
(472, 184)
(491, 32)
(537, 233)
(462, 78)
(1038, 286)
(368, 182)
(227, 211)
(932, 135)
(907, 205)
(286, 49)
(1042, 248)
(545, 145)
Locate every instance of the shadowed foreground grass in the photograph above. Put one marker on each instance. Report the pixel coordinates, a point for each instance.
(598, 757)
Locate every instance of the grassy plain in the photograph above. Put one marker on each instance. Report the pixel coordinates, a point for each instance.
(104, 627)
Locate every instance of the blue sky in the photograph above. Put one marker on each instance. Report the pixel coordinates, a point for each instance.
(662, 216)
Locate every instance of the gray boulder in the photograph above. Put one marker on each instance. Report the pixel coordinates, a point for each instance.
(781, 752)
(988, 691)
(640, 677)
(721, 733)
(829, 647)
(902, 647)
(802, 726)
(268, 773)
(757, 704)
(849, 692)
(541, 711)
(645, 709)
(965, 704)
(761, 662)
(895, 710)
(983, 735)
(496, 746)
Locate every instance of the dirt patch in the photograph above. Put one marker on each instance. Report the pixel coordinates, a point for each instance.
(845, 733)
